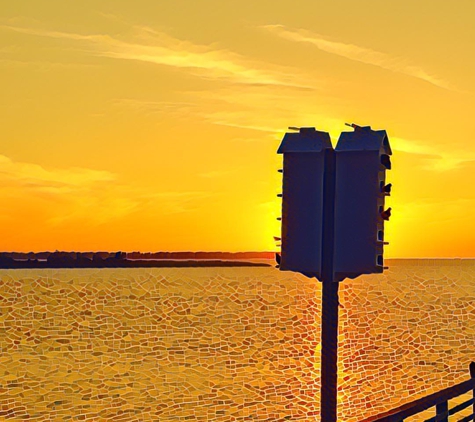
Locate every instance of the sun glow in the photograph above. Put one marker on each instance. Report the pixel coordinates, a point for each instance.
(132, 128)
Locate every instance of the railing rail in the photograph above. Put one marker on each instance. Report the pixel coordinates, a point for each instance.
(439, 400)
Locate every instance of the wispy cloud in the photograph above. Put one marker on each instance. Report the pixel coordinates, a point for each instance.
(172, 202)
(266, 111)
(148, 107)
(45, 65)
(437, 159)
(356, 53)
(241, 120)
(29, 175)
(147, 45)
(440, 210)
(62, 196)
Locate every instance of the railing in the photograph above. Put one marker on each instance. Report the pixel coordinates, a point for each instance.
(440, 400)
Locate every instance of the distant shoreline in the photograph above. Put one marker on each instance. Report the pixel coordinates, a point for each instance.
(18, 260)
(131, 264)
(60, 259)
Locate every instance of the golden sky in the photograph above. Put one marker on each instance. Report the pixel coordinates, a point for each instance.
(154, 125)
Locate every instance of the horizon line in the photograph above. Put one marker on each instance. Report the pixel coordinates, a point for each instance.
(214, 252)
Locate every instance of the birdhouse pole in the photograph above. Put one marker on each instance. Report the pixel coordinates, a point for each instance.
(329, 353)
(333, 222)
(330, 303)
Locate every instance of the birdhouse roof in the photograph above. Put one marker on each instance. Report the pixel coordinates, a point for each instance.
(364, 139)
(307, 139)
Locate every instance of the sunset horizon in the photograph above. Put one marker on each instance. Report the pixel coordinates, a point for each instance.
(155, 126)
(211, 252)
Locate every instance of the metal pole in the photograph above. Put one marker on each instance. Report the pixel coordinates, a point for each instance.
(442, 409)
(329, 360)
(329, 324)
(472, 375)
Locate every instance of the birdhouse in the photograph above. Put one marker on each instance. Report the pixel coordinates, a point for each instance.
(302, 200)
(362, 158)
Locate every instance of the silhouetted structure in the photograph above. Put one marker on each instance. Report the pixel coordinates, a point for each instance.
(302, 200)
(11, 260)
(333, 201)
(439, 400)
(333, 222)
(362, 158)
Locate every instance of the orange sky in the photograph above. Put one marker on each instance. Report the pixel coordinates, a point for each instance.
(154, 125)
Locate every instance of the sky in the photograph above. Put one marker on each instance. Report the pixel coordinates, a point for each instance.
(154, 125)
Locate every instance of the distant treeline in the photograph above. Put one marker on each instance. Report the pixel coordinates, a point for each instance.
(123, 260)
(200, 255)
(140, 255)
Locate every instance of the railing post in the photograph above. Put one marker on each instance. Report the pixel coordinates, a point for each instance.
(441, 408)
(472, 375)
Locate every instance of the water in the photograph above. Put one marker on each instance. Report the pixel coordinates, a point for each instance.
(227, 344)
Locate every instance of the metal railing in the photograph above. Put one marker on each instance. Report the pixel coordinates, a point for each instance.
(439, 400)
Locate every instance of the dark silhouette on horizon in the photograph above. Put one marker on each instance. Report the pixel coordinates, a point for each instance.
(11, 260)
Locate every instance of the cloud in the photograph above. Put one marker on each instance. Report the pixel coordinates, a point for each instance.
(46, 65)
(148, 107)
(267, 111)
(446, 163)
(57, 197)
(411, 146)
(241, 120)
(179, 202)
(435, 157)
(34, 176)
(121, 201)
(356, 53)
(148, 45)
(435, 211)
(250, 139)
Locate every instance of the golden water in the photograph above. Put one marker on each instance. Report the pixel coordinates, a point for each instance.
(226, 344)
